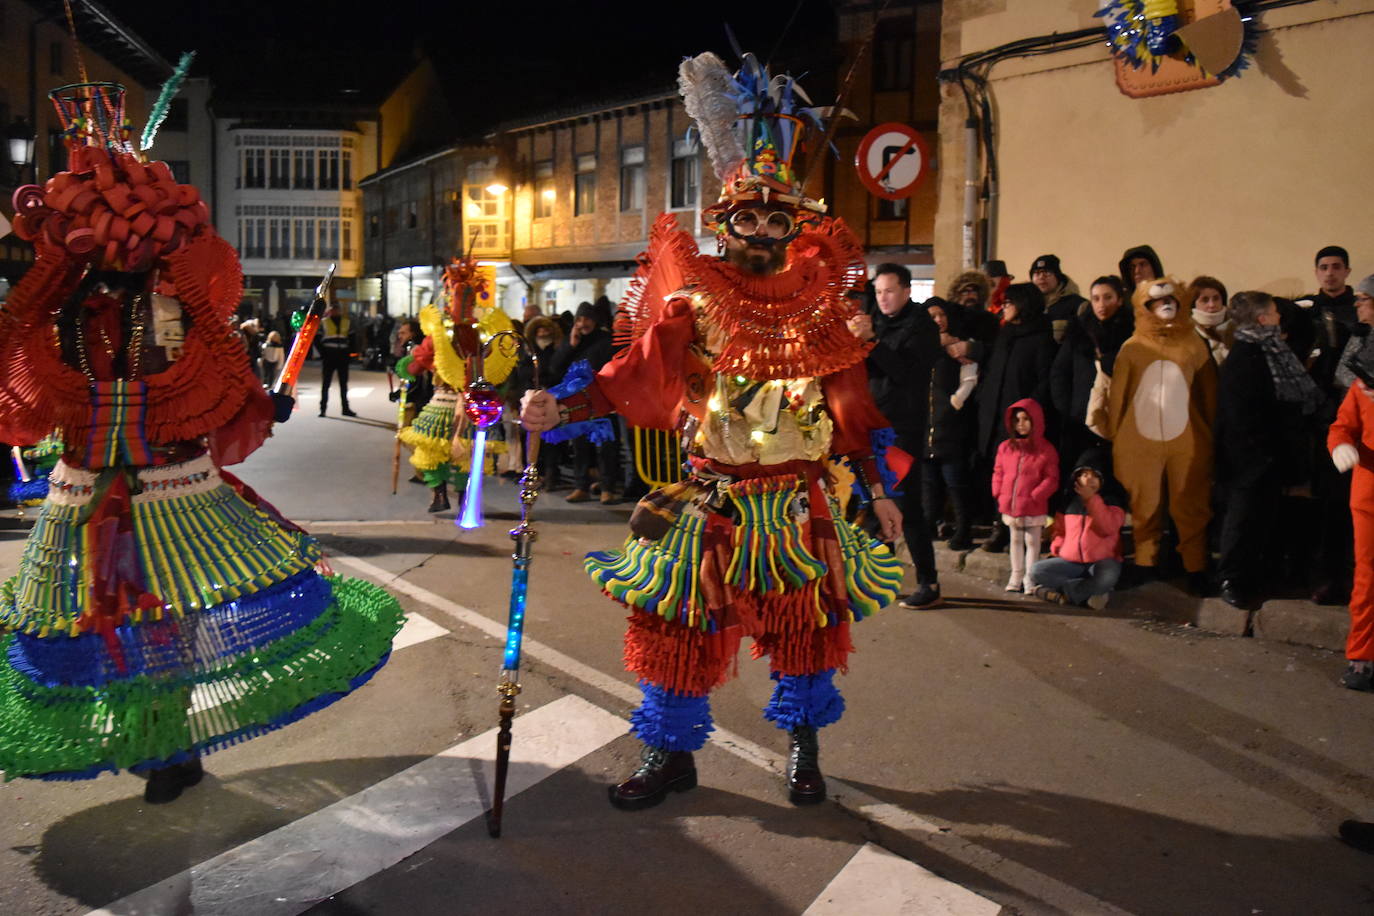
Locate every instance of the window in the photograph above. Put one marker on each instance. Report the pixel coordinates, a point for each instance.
(278, 237)
(329, 239)
(632, 178)
(55, 58)
(584, 185)
(304, 160)
(253, 168)
(278, 168)
(329, 170)
(892, 48)
(305, 239)
(374, 226)
(178, 116)
(347, 170)
(543, 190)
(346, 240)
(57, 153)
(685, 169)
(412, 215)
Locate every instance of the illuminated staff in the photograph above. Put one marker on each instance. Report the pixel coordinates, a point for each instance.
(509, 687)
(305, 336)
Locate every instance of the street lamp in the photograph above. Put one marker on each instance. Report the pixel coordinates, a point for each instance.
(20, 136)
(497, 188)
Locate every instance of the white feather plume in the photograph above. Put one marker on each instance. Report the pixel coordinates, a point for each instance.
(705, 85)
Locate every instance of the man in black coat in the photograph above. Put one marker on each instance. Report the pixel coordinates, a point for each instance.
(906, 344)
(588, 340)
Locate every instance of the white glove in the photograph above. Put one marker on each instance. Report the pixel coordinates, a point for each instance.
(1345, 456)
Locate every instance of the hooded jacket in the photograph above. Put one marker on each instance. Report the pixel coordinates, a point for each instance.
(1139, 251)
(949, 431)
(1088, 532)
(1026, 472)
(1019, 367)
(1061, 306)
(1075, 365)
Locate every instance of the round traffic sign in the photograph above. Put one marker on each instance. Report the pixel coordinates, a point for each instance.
(892, 160)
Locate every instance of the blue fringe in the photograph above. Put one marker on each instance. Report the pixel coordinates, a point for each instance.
(879, 441)
(151, 648)
(578, 376)
(671, 721)
(597, 431)
(804, 699)
(211, 745)
(22, 491)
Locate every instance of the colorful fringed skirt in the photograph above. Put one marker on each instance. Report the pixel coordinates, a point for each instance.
(167, 611)
(768, 557)
(41, 458)
(435, 454)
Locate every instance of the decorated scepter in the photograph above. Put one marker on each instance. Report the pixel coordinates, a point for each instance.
(509, 686)
(305, 336)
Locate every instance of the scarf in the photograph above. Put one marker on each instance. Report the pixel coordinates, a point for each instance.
(1208, 319)
(1292, 384)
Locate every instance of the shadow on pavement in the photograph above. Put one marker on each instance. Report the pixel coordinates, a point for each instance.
(1144, 862)
(383, 544)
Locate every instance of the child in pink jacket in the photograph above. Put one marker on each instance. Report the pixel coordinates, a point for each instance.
(1024, 477)
(1087, 539)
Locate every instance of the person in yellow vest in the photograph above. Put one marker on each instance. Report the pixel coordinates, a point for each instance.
(336, 349)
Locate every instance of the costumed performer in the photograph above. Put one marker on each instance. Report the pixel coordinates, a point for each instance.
(162, 609)
(440, 444)
(749, 356)
(43, 458)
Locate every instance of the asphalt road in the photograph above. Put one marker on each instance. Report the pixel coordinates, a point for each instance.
(990, 760)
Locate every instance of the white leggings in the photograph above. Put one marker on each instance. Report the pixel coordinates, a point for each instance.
(1024, 550)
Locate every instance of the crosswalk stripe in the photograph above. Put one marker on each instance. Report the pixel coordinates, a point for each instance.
(876, 881)
(294, 867)
(417, 629)
(1008, 872)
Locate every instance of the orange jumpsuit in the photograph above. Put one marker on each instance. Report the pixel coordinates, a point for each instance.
(1354, 425)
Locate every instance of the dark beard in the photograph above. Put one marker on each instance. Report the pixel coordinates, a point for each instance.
(760, 262)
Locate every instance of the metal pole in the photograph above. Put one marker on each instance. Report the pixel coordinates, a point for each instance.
(970, 190)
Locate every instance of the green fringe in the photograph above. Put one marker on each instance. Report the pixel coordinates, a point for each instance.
(70, 729)
(873, 574)
(769, 557)
(158, 113)
(660, 577)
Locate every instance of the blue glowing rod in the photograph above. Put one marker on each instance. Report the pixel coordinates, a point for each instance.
(524, 536)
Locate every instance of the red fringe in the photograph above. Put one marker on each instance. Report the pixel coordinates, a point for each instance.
(679, 658)
(790, 325)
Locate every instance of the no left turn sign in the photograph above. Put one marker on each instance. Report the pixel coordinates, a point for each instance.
(892, 160)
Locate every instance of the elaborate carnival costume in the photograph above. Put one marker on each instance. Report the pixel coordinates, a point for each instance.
(41, 458)
(162, 610)
(765, 381)
(441, 457)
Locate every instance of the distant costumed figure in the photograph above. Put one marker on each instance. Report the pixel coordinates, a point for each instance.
(162, 609)
(441, 445)
(749, 356)
(32, 466)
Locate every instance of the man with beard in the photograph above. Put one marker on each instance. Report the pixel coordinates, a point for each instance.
(1062, 300)
(750, 357)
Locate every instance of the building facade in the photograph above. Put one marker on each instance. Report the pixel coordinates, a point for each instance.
(1245, 180)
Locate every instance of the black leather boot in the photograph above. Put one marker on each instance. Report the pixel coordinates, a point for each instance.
(440, 501)
(659, 771)
(805, 784)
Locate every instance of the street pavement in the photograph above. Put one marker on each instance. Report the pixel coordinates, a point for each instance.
(993, 759)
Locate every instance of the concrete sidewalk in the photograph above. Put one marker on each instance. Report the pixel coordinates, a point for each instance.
(1286, 620)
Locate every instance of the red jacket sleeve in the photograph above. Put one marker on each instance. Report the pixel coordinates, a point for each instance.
(1106, 519)
(646, 381)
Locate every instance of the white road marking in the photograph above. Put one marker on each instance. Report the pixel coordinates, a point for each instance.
(417, 629)
(360, 392)
(1013, 874)
(882, 883)
(293, 868)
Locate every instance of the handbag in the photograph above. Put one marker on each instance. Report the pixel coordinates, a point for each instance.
(1098, 399)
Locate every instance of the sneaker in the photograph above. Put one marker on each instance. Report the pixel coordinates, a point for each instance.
(1049, 595)
(1359, 676)
(1098, 602)
(347, 412)
(925, 596)
(579, 496)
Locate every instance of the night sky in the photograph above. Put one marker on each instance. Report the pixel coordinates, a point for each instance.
(500, 60)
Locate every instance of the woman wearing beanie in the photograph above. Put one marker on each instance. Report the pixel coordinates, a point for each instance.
(1266, 403)
(1214, 324)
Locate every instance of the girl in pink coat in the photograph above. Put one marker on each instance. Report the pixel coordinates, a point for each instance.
(1024, 476)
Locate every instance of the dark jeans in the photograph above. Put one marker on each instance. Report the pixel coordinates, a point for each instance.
(603, 455)
(330, 367)
(1250, 507)
(915, 529)
(1077, 581)
(940, 478)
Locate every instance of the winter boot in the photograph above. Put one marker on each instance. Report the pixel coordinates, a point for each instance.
(440, 501)
(659, 771)
(805, 784)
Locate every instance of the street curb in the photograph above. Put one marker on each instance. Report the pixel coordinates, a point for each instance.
(1301, 623)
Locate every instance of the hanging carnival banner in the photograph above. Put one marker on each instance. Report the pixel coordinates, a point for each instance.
(1165, 46)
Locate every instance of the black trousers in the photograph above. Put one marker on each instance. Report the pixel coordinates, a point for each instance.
(914, 527)
(332, 365)
(1245, 532)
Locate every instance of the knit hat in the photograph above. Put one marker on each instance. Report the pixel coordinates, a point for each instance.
(1048, 262)
(587, 310)
(1366, 286)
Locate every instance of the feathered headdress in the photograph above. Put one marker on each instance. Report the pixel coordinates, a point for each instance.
(754, 127)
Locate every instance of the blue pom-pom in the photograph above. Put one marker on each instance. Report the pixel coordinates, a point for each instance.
(670, 720)
(804, 699)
